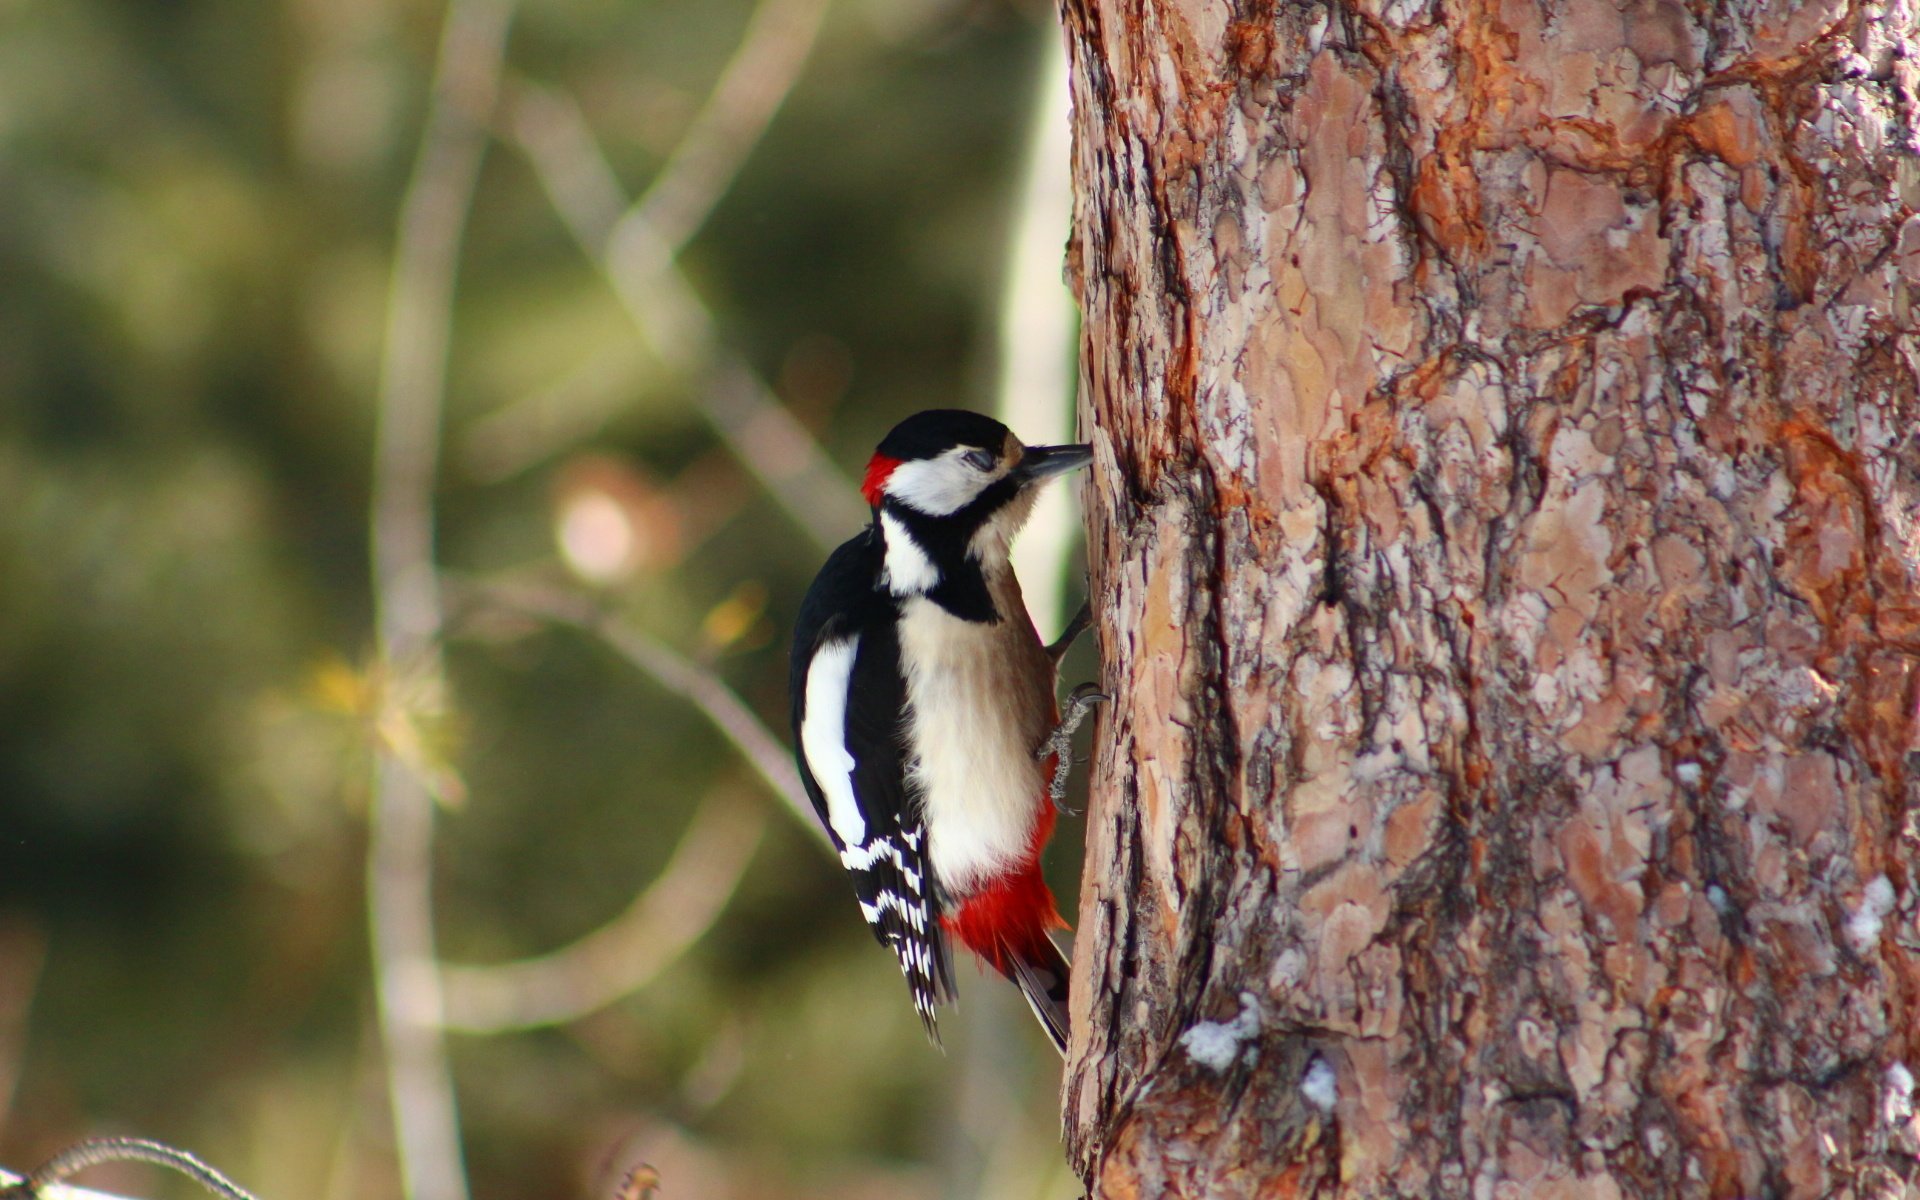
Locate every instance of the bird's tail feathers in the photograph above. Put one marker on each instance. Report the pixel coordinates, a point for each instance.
(1041, 975)
(1006, 925)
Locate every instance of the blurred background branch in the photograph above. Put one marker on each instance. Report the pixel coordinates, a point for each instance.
(626, 953)
(638, 262)
(754, 84)
(433, 218)
(634, 245)
(768, 757)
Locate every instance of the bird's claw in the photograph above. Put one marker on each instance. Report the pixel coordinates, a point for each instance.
(1081, 700)
(1059, 743)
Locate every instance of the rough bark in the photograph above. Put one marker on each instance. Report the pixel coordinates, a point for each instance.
(1505, 524)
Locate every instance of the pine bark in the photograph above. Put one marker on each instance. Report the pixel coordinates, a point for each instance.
(1506, 540)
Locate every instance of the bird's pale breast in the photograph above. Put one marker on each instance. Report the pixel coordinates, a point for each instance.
(981, 699)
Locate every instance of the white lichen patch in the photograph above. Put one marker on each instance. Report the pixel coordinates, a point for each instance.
(1863, 924)
(1896, 1103)
(1215, 1044)
(1319, 1086)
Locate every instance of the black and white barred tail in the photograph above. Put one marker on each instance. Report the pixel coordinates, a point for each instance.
(889, 878)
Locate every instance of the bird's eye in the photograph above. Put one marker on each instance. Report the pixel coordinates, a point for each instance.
(979, 460)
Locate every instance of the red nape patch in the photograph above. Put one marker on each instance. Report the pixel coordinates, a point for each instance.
(878, 468)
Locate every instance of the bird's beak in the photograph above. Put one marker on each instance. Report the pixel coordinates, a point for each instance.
(1044, 462)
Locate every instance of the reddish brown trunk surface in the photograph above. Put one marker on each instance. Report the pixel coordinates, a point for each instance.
(1506, 518)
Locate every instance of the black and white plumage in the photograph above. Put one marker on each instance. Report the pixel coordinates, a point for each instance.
(851, 682)
(923, 707)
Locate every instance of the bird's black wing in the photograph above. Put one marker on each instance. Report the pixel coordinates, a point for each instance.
(846, 656)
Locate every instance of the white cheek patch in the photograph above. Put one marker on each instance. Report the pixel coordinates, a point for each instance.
(823, 737)
(939, 486)
(907, 570)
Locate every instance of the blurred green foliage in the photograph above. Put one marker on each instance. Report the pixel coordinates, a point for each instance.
(200, 201)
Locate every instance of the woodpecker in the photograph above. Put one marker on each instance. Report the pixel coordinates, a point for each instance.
(924, 712)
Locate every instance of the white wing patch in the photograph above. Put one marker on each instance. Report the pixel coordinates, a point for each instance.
(823, 736)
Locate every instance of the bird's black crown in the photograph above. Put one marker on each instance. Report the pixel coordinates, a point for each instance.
(934, 432)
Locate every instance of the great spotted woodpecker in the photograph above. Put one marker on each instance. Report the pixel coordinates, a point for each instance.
(924, 711)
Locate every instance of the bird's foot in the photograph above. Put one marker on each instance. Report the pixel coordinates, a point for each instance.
(1059, 743)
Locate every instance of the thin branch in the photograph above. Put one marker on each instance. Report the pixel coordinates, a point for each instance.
(413, 370)
(627, 952)
(679, 675)
(406, 591)
(638, 264)
(550, 129)
(95, 1151)
(752, 87)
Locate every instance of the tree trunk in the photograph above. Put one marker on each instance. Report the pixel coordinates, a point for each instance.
(1505, 524)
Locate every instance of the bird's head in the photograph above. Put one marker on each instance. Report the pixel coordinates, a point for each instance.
(951, 463)
(948, 486)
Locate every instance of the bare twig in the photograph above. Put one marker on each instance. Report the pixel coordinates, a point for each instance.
(40, 1182)
(637, 261)
(406, 591)
(413, 369)
(679, 675)
(640, 244)
(751, 89)
(627, 952)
